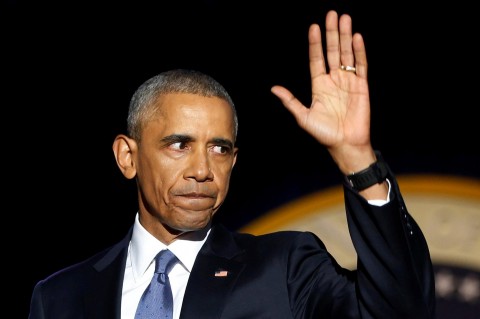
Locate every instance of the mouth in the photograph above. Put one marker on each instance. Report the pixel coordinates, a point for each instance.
(195, 201)
(196, 195)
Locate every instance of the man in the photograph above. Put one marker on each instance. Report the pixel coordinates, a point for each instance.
(180, 149)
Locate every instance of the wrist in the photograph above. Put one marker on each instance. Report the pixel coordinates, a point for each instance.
(353, 159)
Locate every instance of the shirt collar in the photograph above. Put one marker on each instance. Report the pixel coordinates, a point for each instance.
(144, 247)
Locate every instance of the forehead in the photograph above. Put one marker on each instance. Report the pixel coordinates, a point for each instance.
(188, 113)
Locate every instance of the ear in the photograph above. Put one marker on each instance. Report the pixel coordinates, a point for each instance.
(235, 153)
(124, 149)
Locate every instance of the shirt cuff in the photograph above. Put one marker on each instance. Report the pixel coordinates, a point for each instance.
(381, 202)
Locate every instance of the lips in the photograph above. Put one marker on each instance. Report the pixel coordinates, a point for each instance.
(195, 201)
(196, 195)
(200, 196)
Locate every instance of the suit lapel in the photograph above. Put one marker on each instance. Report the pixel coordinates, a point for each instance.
(214, 274)
(104, 301)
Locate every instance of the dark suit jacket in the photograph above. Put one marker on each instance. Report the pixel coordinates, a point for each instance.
(280, 275)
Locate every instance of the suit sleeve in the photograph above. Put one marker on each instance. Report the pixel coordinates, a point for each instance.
(395, 276)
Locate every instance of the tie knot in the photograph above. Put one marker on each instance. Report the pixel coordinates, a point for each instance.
(164, 260)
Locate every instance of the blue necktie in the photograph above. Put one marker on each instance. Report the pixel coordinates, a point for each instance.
(157, 300)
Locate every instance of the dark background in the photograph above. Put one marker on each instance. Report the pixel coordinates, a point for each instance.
(70, 70)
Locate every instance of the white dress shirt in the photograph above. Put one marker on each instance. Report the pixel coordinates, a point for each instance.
(140, 267)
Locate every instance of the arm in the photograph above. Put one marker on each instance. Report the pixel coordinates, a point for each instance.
(395, 276)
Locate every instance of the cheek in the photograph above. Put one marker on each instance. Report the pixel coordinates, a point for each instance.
(166, 172)
(159, 175)
(222, 177)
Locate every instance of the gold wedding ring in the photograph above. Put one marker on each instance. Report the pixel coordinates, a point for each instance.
(348, 68)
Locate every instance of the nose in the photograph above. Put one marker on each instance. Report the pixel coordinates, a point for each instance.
(199, 167)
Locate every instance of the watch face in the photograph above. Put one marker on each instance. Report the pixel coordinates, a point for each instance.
(447, 208)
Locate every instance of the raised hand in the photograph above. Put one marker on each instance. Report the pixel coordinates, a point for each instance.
(339, 114)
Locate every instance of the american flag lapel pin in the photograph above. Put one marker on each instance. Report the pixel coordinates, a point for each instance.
(221, 273)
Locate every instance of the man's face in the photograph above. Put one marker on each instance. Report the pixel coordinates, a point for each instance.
(184, 162)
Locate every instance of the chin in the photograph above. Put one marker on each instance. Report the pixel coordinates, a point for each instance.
(192, 225)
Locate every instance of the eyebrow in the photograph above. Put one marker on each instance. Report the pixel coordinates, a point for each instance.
(175, 138)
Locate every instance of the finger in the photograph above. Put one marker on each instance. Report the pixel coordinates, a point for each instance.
(290, 102)
(315, 51)
(346, 51)
(332, 40)
(360, 55)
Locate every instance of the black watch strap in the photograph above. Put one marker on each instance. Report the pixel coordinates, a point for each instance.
(374, 174)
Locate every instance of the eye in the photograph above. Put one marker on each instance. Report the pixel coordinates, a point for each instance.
(220, 149)
(178, 145)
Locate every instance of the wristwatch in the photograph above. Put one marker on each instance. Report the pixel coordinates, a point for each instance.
(374, 174)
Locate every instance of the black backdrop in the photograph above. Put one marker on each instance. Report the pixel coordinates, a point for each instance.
(71, 69)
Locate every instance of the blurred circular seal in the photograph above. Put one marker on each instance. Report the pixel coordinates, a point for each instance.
(447, 208)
